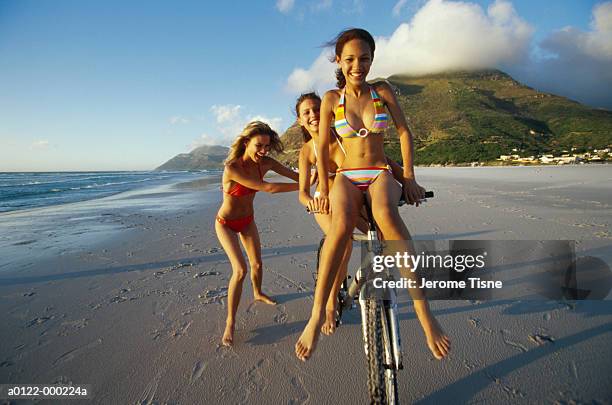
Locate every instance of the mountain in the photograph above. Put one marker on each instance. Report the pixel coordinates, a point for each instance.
(292, 140)
(477, 116)
(204, 157)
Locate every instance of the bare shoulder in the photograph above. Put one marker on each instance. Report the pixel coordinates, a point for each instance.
(384, 90)
(306, 152)
(231, 167)
(331, 96)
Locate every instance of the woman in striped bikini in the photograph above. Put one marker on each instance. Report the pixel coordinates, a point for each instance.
(245, 168)
(307, 110)
(357, 104)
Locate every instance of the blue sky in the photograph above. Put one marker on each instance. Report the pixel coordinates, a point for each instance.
(118, 85)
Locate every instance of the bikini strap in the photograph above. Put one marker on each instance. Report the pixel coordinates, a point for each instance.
(339, 142)
(314, 148)
(341, 102)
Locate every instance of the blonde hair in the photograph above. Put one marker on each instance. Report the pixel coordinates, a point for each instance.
(252, 129)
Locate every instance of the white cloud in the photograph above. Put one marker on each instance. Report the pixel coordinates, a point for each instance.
(397, 9)
(40, 145)
(231, 121)
(204, 139)
(284, 6)
(225, 113)
(319, 76)
(176, 119)
(579, 65)
(275, 122)
(442, 35)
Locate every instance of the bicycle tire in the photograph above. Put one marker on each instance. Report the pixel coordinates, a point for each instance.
(373, 339)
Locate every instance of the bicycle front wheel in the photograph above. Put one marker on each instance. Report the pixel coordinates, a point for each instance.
(373, 339)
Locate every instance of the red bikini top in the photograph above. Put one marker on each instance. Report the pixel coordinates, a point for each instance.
(238, 190)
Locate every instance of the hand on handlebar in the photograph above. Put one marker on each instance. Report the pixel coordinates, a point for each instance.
(413, 193)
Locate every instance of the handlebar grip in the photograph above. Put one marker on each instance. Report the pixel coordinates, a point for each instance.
(402, 201)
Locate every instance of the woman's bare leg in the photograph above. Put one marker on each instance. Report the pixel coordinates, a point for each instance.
(348, 197)
(252, 245)
(384, 194)
(229, 242)
(329, 325)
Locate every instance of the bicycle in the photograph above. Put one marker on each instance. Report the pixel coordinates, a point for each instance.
(380, 326)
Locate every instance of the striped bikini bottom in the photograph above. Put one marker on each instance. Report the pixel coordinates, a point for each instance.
(362, 177)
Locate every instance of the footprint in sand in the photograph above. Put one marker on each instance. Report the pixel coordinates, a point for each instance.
(71, 354)
(512, 343)
(39, 321)
(541, 339)
(301, 395)
(282, 316)
(197, 371)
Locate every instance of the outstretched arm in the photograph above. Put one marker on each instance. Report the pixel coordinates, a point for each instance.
(281, 169)
(414, 192)
(325, 118)
(304, 175)
(396, 169)
(259, 185)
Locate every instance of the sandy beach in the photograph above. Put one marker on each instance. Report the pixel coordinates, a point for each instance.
(130, 298)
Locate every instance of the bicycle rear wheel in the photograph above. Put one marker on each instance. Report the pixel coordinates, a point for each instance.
(373, 339)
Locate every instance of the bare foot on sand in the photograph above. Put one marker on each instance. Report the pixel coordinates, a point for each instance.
(307, 342)
(261, 297)
(329, 326)
(228, 335)
(438, 342)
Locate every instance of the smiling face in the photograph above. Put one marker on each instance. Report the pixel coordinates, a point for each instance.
(308, 115)
(355, 61)
(257, 147)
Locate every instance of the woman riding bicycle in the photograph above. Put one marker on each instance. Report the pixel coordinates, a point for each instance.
(360, 118)
(307, 109)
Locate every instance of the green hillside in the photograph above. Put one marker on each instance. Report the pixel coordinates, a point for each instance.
(477, 116)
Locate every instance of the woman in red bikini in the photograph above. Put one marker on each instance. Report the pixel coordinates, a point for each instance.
(245, 168)
(360, 113)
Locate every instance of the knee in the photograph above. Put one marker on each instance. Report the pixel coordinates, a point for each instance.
(256, 267)
(240, 273)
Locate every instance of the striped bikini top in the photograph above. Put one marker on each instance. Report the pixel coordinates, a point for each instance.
(381, 120)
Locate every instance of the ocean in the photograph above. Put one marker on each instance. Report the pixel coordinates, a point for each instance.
(19, 191)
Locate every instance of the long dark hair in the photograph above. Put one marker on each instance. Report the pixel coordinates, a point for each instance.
(303, 97)
(339, 42)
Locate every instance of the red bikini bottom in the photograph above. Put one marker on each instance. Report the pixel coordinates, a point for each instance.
(236, 225)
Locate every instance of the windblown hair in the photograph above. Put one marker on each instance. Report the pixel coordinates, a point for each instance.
(303, 97)
(252, 129)
(341, 40)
